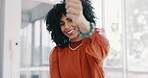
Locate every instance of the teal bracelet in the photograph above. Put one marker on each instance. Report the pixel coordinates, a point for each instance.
(92, 27)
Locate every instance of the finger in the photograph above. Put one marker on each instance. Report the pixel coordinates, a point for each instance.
(73, 11)
(73, 5)
(74, 1)
(71, 16)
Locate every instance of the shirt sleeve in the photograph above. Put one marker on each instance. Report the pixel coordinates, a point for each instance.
(54, 65)
(98, 46)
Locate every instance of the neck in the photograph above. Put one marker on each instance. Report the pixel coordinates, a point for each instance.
(76, 39)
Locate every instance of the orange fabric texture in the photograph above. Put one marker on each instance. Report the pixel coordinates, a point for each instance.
(84, 62)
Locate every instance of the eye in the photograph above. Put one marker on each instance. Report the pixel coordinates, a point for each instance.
(69, 20)
(61, 23)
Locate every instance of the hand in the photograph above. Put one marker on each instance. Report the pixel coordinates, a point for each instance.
(74, 11)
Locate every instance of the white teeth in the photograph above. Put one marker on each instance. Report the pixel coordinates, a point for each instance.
(69, 32)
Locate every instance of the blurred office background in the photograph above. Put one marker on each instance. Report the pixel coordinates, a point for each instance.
(25, 44)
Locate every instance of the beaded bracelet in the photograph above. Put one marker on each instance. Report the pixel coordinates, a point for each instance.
(92, 27)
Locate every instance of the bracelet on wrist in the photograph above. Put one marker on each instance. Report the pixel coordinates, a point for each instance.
(92, 27)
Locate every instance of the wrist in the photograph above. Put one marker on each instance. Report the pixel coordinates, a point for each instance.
(84, 26)
(84, 35)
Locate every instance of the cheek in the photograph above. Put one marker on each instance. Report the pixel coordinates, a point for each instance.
(77, 29)
(62, 29)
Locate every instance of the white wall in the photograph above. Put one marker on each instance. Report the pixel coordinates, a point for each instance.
(10, 22)
(1, 36)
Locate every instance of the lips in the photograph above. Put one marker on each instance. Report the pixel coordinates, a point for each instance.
(70, 32)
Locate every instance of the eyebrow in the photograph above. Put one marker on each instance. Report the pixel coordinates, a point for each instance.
(66, 19)
(61, 21)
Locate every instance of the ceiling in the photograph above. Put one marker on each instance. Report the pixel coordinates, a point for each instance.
(28, 5)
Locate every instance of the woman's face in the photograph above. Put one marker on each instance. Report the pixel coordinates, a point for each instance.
(69, 29)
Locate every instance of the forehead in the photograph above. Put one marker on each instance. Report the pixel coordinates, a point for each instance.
(63, 17)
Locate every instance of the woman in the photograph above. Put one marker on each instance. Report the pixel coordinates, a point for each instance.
(80, 47)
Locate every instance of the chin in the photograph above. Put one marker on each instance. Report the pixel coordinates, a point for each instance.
(74, 38)
(71, 38)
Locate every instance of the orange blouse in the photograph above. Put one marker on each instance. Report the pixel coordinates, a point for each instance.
(84, 62)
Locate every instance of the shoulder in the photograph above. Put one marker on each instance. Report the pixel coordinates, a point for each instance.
(54, 51)
(53, 57)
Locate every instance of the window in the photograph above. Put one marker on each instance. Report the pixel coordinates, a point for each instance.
(137, 38)
(36, 45)
(36, 50)
(26, 46)
(126, 26)
(47, 45)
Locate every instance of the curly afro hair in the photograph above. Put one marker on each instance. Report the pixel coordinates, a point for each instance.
(54, 16)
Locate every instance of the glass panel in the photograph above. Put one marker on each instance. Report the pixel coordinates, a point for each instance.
(97, 10)
(114, 32)
(34, 74)
(137, 75)
(113, 74)
(137, 35)
(26, 45)
(47, 45)
(36, 54)
(37, 34)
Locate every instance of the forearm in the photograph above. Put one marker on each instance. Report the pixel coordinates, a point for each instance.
(84, 26)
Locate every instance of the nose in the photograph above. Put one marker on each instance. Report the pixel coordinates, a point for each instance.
(67, 25)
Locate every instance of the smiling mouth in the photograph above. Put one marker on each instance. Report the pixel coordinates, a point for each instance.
(70, 32)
